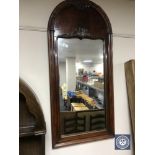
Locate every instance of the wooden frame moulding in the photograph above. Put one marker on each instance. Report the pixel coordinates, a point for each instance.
(81, 19)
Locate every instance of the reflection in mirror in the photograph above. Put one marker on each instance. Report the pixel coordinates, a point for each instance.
(81, 81)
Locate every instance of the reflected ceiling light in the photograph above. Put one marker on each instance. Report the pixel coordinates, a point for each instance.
(87, 61)
(65, 45)
(101, 56)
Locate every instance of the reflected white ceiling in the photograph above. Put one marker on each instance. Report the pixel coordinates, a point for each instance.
(84, 49)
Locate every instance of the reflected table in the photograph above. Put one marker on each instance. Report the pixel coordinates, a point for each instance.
(78, 107)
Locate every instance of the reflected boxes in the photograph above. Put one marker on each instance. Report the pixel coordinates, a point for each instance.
(99, 85)
(78, 107)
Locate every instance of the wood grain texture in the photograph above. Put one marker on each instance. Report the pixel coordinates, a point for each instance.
(33, 106)
(130, 83)
(32, 126)
(79, 19)
(32, 145)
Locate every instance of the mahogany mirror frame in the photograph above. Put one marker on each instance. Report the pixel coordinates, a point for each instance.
(81, 19)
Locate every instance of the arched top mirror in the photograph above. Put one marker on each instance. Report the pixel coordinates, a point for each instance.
(81, 73)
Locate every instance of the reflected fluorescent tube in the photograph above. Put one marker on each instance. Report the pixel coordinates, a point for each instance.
(87, 61)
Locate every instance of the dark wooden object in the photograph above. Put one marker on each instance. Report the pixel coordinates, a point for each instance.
(79, 19)
(32, 127)
(130, 83)
(74, 125)
(97, 122)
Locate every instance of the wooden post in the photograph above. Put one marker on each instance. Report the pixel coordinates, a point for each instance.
(130, 82)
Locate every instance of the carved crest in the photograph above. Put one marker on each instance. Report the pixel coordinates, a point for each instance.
(81, 31)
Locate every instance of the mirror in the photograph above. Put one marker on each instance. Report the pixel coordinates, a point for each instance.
(81, 83)
(80, 73)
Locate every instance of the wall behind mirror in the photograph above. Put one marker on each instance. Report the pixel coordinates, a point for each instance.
(122, 19)
(81, 83)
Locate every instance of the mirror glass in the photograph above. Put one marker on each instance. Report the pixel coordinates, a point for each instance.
(81, 85)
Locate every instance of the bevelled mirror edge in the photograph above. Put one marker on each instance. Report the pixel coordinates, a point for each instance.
(58, 30)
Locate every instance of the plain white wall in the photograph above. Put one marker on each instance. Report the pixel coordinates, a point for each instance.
(33, 66)
(70, 74)
(62, 73)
